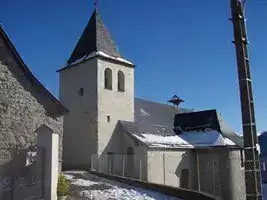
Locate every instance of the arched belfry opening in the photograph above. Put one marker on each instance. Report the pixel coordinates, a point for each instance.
(108, 78)
(121, 81)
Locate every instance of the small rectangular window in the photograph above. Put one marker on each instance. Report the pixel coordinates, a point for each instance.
(108, 118)
(80, 92)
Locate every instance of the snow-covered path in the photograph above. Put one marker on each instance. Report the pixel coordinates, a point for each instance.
(87, 186)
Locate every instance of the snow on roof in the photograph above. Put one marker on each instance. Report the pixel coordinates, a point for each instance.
(185, 139)
(162, 141)
(203, 137)
(229, 142)
(100, 53)
(166, 137)
(114, 58)
(143, 112)
(258, 148)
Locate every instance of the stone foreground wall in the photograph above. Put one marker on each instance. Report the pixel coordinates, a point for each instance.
(21, 108)
(220, 172)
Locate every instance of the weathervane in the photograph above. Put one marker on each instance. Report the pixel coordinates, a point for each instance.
(175, 100)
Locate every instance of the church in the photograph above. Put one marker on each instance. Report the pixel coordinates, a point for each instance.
(162, 143)
(103, 127)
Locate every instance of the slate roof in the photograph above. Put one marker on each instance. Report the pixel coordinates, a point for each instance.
(151, 112)
(197, 120)
(137, 129)
(95, 37)
(203, 138)
(206, 119)
(160, 119)
(51, 104)
(162, 136)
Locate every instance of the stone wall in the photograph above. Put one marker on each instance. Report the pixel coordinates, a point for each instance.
(217, 171)
(220, 172)
(21, 107)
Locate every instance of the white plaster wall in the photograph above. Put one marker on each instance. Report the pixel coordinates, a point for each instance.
(237, 175)
(164, 167)
(86, 130)
(49, 142)
(139, 170)
(80, 127)
(140, 164)
(119, 105)
(120, 141)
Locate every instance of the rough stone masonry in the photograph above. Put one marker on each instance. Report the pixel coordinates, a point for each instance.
(22, 106)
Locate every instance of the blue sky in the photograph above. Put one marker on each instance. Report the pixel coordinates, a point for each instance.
(179, 47)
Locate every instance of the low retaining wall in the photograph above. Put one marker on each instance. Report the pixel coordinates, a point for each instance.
(185, 194)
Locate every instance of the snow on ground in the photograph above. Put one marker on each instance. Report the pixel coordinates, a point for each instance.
(87, 186)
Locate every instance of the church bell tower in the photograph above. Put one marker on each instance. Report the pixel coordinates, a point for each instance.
(97, 87)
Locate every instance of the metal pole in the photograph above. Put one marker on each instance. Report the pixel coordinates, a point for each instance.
(252, 167)
(140, 175)
(109, 161)
(164, 175)
(92, 164)
(213, 175)
(198, 173)
(98, 161)
(14, 164)
(123, 165)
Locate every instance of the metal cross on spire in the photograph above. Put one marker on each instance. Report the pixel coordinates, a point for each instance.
(96, 2)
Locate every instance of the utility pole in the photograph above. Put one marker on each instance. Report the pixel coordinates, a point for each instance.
(252, 164)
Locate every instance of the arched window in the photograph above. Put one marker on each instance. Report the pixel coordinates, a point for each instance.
(121, 81)
(108, 78)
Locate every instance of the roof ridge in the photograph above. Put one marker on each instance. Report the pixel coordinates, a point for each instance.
(145, 123)
(155, 102)
(199, 111)
(164, 104)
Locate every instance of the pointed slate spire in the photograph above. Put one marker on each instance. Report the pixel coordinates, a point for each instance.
(95, 38)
